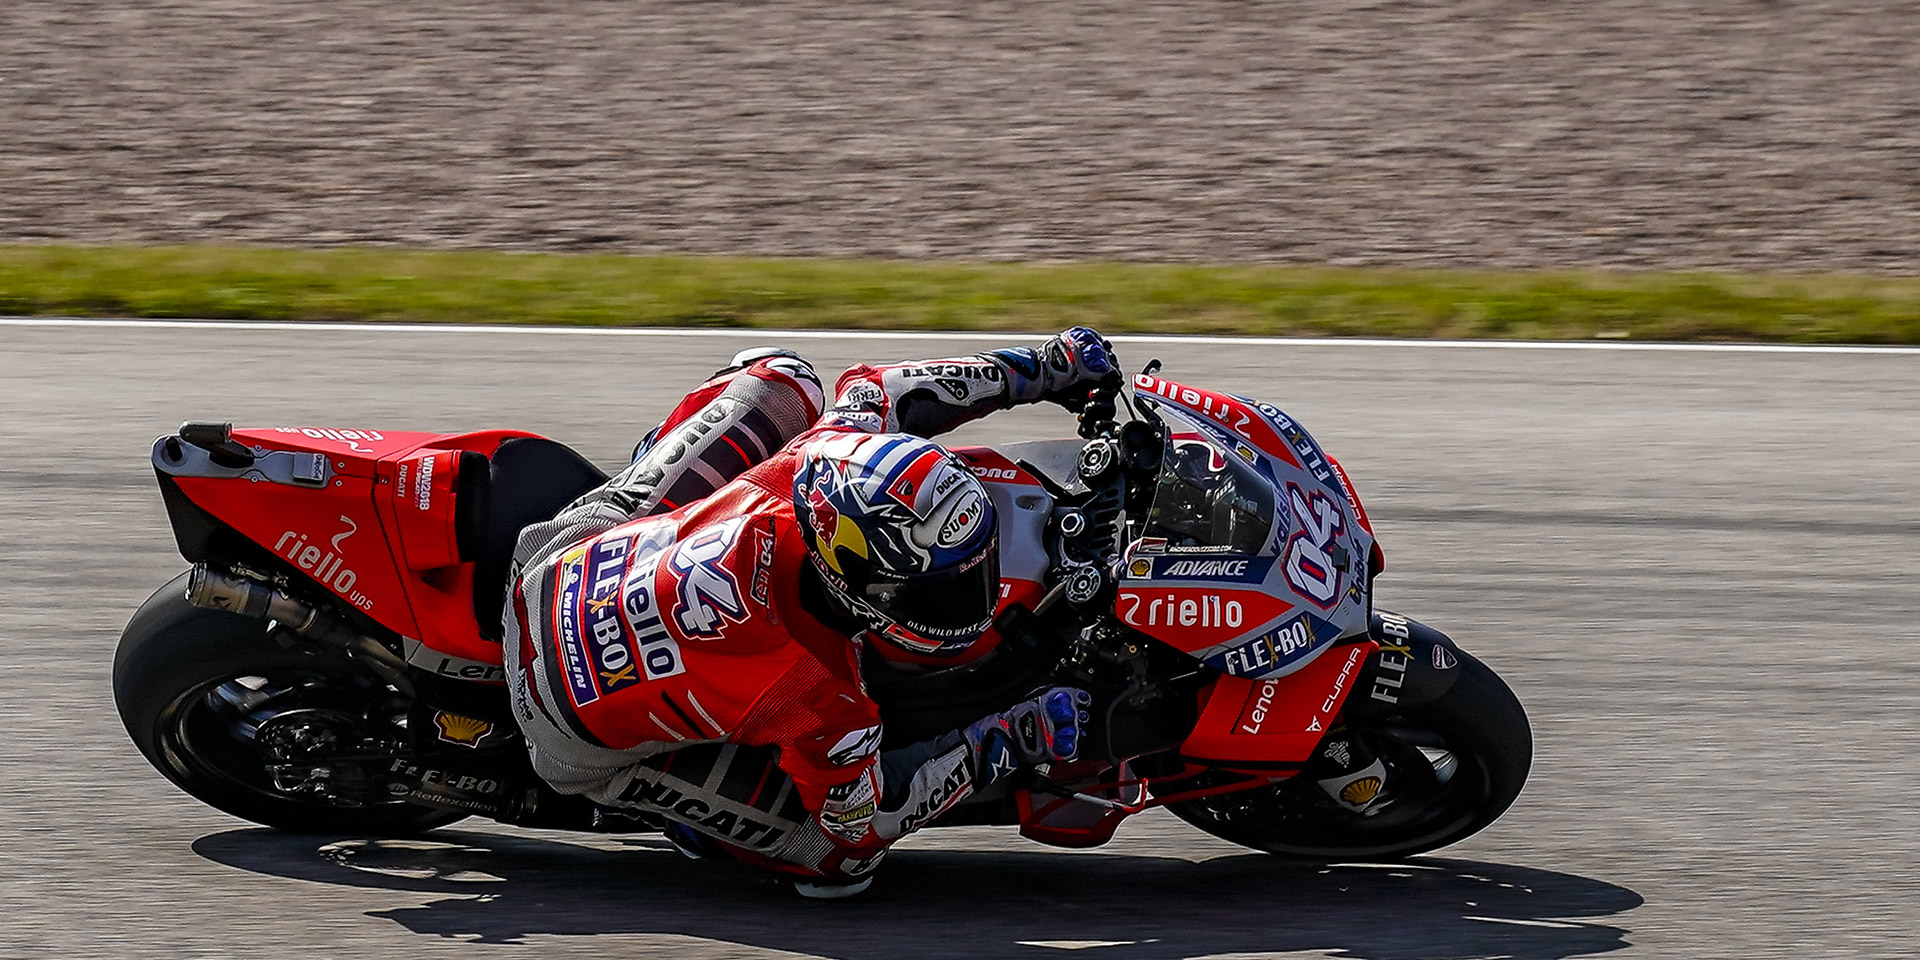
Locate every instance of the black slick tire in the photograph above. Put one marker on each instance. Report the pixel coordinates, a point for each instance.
(170, 655)
(1484, 725)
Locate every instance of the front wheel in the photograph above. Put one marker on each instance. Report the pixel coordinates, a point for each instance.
(244, 725)
(1455, 765)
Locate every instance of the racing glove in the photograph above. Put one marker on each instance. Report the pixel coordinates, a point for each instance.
(1045, 729)
(1072, 361)
(1059, 369)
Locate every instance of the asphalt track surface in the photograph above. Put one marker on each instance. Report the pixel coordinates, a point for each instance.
(1697, 569)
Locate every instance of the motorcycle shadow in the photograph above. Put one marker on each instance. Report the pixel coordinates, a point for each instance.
(502, 888)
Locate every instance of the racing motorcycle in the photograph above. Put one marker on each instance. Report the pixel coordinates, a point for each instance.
(332, 663)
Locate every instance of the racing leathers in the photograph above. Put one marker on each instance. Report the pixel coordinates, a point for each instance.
(666, 655)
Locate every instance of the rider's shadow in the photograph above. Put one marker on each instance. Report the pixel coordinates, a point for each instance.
(944, 903)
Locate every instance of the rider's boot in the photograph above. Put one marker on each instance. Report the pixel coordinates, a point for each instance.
(789, 367)
(823, 889)
(693, 844)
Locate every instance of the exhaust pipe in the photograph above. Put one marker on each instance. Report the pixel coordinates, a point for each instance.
(216, 590)
(219, 590)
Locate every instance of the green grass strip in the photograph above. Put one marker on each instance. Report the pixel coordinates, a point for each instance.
(488, 287)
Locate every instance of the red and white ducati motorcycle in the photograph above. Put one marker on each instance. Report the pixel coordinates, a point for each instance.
(332, 660)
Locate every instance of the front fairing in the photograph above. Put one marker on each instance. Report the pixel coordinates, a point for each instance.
(1249, 598)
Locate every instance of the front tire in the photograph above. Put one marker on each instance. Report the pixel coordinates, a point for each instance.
(1461, 761)
(193, 686)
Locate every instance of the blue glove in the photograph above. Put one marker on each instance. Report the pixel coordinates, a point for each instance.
(1077, 356)
(1059, 369)
(1045, 729)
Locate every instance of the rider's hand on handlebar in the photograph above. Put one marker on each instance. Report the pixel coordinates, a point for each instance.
(1074, 361)
(1044, 729)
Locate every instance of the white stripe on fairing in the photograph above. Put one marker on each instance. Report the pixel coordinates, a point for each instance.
(774, 333)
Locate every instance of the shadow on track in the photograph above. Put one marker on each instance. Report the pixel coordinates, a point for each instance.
(943, 903)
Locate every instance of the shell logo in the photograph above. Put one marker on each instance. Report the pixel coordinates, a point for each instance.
(1140, 569)
(465, 731)
(1361, 792)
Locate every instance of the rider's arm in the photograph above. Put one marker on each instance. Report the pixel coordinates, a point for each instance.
(828, 734)
(865, 799)
(929, 397)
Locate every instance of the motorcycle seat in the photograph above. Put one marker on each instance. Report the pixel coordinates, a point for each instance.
(528, 480)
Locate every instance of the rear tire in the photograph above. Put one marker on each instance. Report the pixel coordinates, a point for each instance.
(175, 660)
(1465, 757)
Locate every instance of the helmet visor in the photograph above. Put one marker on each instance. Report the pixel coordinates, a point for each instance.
(946, 607)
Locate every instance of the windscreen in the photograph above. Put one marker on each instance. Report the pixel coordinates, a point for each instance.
(1208, 498)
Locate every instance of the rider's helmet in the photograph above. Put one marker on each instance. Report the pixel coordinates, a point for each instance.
(904, 536)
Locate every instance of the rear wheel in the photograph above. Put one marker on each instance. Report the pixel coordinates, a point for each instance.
(1454, 766)
(245, 726)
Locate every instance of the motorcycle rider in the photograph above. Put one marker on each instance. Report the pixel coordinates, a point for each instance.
(685, 640)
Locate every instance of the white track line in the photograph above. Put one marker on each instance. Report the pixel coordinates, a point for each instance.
(776, 334)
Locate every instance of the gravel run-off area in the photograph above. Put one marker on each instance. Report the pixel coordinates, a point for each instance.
(1720, 134)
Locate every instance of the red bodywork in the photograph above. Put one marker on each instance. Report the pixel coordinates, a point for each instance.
(1269, 726)
(1022, 563)
(380, 535)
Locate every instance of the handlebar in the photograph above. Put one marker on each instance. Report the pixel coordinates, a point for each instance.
(1098, 409)
(1120, 465)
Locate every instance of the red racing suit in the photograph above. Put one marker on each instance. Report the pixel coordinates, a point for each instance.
(661, 657)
